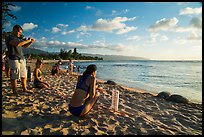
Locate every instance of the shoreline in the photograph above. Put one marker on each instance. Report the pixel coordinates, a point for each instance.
(140, 90)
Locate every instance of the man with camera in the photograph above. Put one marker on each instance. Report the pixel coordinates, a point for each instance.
(17, 60)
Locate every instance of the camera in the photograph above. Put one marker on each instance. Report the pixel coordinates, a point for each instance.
(24, 38)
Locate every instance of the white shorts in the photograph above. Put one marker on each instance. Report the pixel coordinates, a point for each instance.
(18, 69)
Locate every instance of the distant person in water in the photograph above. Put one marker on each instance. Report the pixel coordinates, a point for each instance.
(85, 95)
(38, 82)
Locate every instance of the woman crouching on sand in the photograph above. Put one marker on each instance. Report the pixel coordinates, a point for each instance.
(38, 83)
(85, 95)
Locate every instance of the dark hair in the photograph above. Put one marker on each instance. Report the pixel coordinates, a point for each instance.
(90, 69)
(17, 27)
(38, 62)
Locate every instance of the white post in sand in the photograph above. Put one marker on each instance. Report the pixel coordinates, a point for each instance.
(115, 99)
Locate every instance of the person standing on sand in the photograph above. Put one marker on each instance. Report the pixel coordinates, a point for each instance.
(17, 61)
(70, 67)
(85, 95)
(38, 83)
(7, 67)
(78, 69)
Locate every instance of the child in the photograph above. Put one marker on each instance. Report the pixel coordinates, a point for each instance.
(38, 83)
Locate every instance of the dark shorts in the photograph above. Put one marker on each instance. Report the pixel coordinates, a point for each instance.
(76, 110)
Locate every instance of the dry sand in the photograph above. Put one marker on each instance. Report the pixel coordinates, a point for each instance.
(45, 112)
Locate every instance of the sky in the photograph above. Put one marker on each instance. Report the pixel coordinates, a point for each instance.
(154, 30)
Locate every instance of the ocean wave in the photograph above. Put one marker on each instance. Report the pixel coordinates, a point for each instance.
(155, 76)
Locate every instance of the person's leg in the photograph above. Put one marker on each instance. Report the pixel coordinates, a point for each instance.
(15, 75)
(9, 72)
(44, 85)
(24, 83)
(23, 74)
(47, 84)
(89, 104)
(14, 85)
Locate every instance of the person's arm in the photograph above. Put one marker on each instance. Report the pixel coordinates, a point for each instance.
(29, 43)
(36, 75)
(92, 91)
(16, 42)
(99, 88)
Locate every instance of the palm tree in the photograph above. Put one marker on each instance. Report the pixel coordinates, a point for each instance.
(6, 13)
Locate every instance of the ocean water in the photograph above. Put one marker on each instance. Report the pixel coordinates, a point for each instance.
(177, 77)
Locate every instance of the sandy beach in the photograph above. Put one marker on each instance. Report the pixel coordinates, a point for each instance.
(45, 112)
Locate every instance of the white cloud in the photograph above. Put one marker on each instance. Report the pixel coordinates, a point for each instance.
(84, 28)
(74, 44)
(125, 11)
(194, 25)
(117, 13)
(62, 25)
(97, 45)
(183, 29)
(196, 22)
(107, 25)
(29, 26)
(118, 47)
(156, 37)
(181, 3)
(163, 38)
(55, 42)
(102, 45)
(189, 10)
(89, 7)
(59, 44)
(136, 38)
(67, 32)
(164, 24)
(59, 27)
(55, 30)
(83, 34)
(193, 39)
(14, 8)
(110, 25)
(40, 42)
(194, 36)
(125, 30)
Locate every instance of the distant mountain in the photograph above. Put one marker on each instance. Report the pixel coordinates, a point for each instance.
(115, 57)
(33, 51)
